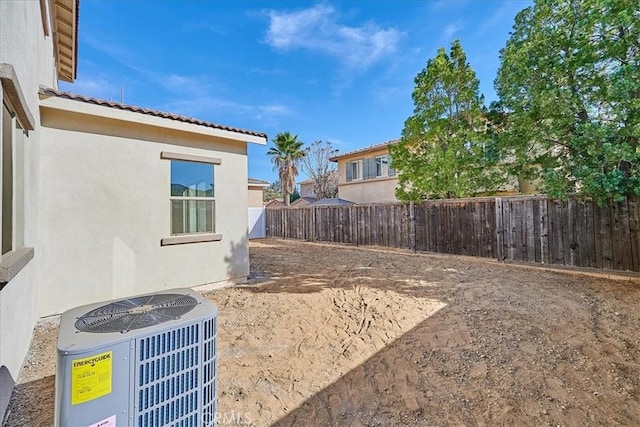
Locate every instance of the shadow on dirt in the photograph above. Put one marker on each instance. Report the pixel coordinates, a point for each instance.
(27, 396)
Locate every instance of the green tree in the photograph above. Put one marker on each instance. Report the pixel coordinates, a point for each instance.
(443, 149)
(286, 154)
(295, 194)
(569, 81)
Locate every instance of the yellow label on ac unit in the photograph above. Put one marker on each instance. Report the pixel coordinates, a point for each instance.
(91, 377)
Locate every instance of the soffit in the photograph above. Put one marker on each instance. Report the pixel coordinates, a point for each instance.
(65, 24)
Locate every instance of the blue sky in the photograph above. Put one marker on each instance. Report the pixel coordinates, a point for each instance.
(337, 71)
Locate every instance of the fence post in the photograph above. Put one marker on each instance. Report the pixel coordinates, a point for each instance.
(499, 230)
(412, 225)
(312, 232)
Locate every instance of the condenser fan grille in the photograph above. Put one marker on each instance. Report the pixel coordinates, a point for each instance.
(135, 313)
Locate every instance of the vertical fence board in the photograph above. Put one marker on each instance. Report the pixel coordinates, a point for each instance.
(544, 232)
(588, 232)
(570, 233)
(634, 233)
(586, 227)
(625, 234)
(616, 236)
(606, 229)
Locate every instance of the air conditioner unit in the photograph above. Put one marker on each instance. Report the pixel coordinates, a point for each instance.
(148, 360)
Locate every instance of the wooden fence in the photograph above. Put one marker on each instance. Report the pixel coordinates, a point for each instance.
(574, 232)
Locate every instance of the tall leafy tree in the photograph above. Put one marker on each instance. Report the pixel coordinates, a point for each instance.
(569, 80)
(286, 154)
(443, 149)
(322, 171)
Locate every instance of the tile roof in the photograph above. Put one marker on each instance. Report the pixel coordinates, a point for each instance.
(148, 111)
(253, 181)
(364, 150)
(332, 202)
(303, 199)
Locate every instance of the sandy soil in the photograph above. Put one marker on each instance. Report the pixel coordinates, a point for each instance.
(330, 335)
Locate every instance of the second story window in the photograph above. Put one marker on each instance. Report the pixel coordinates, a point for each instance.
(379, 166)
(382, 165)
(354, 170)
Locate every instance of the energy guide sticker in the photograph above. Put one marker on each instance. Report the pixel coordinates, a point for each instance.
(91, 377)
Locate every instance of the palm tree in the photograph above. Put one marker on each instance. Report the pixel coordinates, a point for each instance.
(285, 155)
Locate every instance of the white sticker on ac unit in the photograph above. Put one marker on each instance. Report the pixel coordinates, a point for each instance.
(107, 422)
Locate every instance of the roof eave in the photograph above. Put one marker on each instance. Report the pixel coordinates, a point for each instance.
(79, 107)
(365, 150)
(65, 24)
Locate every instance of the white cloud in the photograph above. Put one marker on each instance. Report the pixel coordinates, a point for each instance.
(317, 29)
(206, 105)
(449, 31)
(180, 84)
(97, 87)
(189, 95)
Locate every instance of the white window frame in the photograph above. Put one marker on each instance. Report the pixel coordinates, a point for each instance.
(196, 237)
(358, 169)
(380, 167)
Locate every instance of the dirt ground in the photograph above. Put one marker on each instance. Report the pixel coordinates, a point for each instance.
(329, 335)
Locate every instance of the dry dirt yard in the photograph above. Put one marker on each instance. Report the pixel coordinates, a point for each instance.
(329, 335)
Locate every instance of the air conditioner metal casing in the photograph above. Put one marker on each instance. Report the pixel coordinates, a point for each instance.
(158, 375)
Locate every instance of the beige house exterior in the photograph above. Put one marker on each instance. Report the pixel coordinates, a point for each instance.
(256, 187)
(306, 188)
(365, 176)
(91, 206)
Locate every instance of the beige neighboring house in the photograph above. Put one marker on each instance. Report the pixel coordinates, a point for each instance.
(306, 188)
(256, 187)
(303, 201)
(365, 176)
(102, 200)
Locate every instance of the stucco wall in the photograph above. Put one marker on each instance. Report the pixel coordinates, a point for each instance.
(306, 189)
(24, 46)
(105, 208)
(255, 197)
(376, 190)
(18, 314)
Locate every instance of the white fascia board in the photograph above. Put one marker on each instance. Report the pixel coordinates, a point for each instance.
(81, 107)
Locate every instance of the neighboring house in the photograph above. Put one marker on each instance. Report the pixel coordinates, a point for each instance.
(102, 200)
(276, 203)
(306, 188)
(332, 202)
(365, 175)
(303, 201)
(256, 187)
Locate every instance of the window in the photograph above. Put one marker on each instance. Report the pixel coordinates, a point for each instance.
(7, 180)
(12, 182)
(15, 122)
(382, 165)
(354, 170)
(378, 167)
(192, 198)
